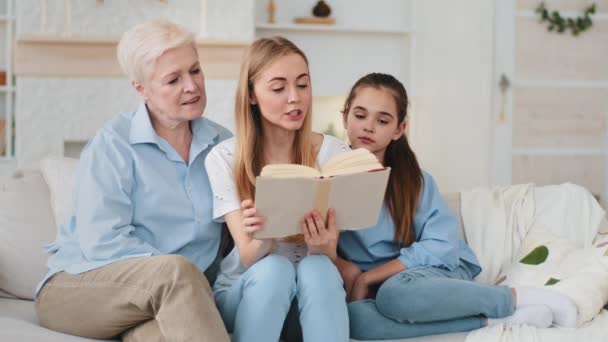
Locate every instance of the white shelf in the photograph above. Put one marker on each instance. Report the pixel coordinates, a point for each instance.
(4, 17)
(329, 28)
(7, 89)
(8, 161)
(560, 84)
(559, 152)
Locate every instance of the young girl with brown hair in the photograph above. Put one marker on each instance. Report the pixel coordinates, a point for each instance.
(411, 274)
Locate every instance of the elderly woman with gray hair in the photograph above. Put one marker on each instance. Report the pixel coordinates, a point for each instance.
(132, 259)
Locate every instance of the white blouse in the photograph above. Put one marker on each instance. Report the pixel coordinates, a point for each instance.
(220, 168)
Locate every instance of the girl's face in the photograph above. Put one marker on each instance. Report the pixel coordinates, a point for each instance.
(283, 93)
(372, 120)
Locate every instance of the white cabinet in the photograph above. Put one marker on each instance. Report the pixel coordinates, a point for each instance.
(368, 36)
(7, 89)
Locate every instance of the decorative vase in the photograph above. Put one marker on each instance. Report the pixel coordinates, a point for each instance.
(321, 9)
(271, 8)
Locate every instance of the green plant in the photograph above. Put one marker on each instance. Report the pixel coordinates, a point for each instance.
(537, 256)
(560, 24)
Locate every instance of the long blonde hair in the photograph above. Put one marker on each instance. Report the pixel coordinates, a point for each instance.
(249, 157)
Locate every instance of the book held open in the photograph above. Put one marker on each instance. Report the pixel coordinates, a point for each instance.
(352, 183)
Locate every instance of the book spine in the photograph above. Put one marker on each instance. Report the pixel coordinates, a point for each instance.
(322, 196)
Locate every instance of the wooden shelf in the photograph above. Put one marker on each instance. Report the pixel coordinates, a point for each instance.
(73, 56)
(112, 40)
(329, 28)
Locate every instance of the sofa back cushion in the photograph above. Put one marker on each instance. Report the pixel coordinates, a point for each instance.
(59, 174)
(453, 200)
(26, 224)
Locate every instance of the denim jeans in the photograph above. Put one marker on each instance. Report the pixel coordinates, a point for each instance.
(427, 301)
(255, 308)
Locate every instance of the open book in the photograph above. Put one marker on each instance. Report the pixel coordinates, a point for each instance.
(352, 183)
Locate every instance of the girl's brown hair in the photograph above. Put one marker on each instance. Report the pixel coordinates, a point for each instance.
(406, 179)
(249, 130)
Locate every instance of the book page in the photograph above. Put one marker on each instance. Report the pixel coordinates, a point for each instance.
(284, 202)
(289, 170)
(358, 198)
(359, 160)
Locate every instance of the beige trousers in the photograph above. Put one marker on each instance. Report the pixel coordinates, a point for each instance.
(160, 298)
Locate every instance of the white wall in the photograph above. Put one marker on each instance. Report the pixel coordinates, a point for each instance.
(450, 127)
(67, 111)
(204, 17)
(451, 110)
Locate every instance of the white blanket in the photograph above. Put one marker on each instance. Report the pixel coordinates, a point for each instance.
(594, 331)
(498, 220)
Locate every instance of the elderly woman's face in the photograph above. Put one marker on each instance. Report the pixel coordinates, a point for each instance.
(175, 90)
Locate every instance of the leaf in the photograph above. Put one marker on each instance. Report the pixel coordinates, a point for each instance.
(551, 281)
(537, 256)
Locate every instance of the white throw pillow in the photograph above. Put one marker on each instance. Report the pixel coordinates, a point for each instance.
(60, 176)
(546, 260)
(26, 224)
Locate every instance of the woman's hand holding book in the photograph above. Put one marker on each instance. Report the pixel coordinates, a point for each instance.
(321, 238)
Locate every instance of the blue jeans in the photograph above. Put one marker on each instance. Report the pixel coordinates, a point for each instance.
(427, 301)
(255, 308)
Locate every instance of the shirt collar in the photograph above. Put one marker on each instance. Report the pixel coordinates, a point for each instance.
(142, 131)
(203, 135)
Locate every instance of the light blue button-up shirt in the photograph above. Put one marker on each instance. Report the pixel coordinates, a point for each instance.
(436, 243)
(135, 196)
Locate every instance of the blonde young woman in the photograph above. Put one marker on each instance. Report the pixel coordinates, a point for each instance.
(133, 259)
(260, 279)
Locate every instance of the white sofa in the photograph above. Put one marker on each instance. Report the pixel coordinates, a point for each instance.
(26, 223)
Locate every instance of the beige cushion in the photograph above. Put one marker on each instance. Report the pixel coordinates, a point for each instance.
(26, 224)
(60, 176)
(18, 322)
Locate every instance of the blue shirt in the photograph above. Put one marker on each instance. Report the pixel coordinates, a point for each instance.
(436, 243)
(135, 196)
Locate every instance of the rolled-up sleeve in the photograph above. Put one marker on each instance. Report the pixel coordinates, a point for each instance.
(436, 231)
(103, 204)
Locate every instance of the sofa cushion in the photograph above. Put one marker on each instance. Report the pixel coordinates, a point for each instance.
(60, 176)
(18, 322)
(453, 201)
(26, 223)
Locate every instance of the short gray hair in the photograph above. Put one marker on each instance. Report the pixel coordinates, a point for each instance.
(140, 46)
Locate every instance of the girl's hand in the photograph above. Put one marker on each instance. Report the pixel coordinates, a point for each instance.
(349, 272)
(251, 221)
(360, 289)
(321, 239)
